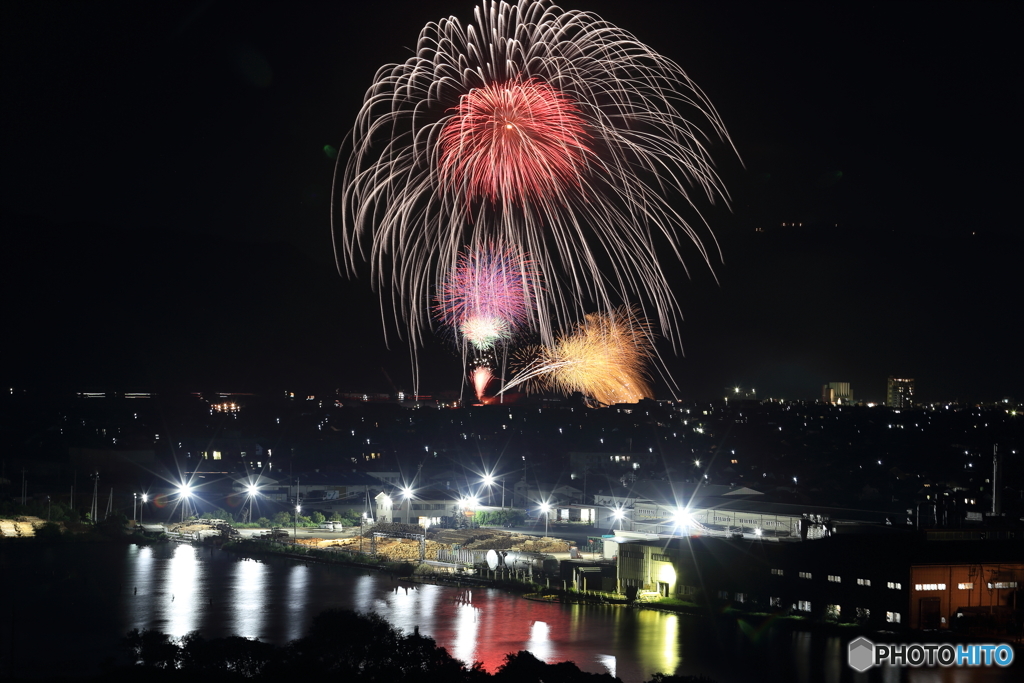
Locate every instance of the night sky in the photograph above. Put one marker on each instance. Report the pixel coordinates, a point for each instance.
(166, 195)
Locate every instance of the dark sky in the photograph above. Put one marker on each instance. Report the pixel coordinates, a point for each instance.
(166, 194)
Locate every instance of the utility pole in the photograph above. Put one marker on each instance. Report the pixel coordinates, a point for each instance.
(95, 495)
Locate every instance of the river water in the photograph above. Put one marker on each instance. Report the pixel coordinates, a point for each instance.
(64, 609)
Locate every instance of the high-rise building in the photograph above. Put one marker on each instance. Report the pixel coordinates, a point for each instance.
(899, 393)
(836, 392)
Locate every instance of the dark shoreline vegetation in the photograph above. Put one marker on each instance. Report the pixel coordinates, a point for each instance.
(342, 644)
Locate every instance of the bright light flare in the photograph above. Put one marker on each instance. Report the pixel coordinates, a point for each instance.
(682, 518)
(185, 490)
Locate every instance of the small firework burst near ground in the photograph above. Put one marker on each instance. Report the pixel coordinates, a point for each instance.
(481, 376)
(488, 295)
(552, 130)
(605, 358)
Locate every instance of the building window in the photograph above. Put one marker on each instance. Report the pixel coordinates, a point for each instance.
(775, 602)
(804, 605)
(895, 585)
(863, 614)
(929, 586)
(1002, 584)
(892, 617)
(777, 572)
(723, 595)
(863, 582)
(804, 575)
(965, 586)
(834, 579)
(741, 597)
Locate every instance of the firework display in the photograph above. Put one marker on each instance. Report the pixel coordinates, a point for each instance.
(605, 358)
(554, 131)
(488, 295)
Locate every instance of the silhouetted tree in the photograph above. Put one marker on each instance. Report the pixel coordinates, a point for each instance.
(524, 667)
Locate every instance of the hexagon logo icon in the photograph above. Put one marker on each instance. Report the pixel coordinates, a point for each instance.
(861, 654)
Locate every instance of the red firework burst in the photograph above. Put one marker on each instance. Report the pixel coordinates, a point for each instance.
(514, 142)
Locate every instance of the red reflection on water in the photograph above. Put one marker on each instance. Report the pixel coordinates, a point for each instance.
(501, 626)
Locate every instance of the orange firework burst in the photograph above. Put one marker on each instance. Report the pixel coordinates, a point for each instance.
(605, 358)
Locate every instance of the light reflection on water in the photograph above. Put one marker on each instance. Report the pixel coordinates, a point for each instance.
(297, 600)
(249, 585)
(540, 642)
(184, 581)
(178, 588)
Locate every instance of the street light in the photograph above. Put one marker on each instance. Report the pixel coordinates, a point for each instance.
(544, 507)
(252, 490)
(407, 493)
(618, 514)
(682, 518)
(185, 492)
(488, 481)
(135, 498)
(295, 528)
(142, 505)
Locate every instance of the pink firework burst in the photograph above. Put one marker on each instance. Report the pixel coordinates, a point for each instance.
(521, 141)
(488, 294)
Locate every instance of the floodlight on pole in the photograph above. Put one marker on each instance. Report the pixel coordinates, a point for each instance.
(682, 518)
(252, 490)
(488, 481)
(545, 508)
(184, 493)
(618, 514)
(407, 494)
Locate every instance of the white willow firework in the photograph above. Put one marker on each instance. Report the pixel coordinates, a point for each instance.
(552, 130)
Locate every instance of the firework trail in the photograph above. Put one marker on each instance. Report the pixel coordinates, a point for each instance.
(605, 358)
(552, 130)
(488, 295)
